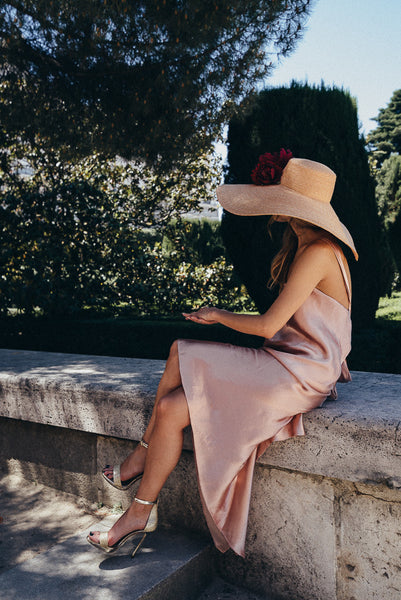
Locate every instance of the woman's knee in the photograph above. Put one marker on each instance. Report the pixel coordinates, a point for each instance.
(174, 350)
(173, 408)
(173, 362)
(165, 408)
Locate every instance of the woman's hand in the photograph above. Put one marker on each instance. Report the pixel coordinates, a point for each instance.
(207, 315)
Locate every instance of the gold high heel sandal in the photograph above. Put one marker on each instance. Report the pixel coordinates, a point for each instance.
(150, 526)
(116, 481)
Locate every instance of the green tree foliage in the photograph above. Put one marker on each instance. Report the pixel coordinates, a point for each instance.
(140, 79)
(385, 161)
(388, 189)
(388, 197)
(198, 241)
(386, 138)
(182, 266)
(321, 124)
(72, 233)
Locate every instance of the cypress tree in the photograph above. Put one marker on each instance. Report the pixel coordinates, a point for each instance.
(385, 160)
(388, 197)
(386, 138)
(321, 124)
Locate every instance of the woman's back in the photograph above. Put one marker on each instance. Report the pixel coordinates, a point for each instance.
(338, 283)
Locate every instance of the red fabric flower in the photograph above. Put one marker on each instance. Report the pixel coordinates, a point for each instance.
(270, 167)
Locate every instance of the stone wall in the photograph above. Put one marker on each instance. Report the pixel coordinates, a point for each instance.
(325, 518)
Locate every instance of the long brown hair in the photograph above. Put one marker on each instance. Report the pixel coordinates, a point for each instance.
(282, 261)
(284, 257)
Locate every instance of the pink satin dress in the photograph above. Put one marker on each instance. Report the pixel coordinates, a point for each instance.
(243, 399)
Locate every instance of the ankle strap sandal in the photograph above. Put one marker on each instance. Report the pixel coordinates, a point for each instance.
(116, 480)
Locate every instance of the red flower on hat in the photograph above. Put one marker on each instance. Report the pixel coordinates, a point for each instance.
(270, 167)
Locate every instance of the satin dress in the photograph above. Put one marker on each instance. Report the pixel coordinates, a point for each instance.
(242, 399)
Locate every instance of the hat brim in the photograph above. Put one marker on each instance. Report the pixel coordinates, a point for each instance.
(252, 200)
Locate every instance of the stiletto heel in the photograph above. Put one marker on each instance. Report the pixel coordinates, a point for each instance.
(151, 525)
(116, 481)
(135, 550)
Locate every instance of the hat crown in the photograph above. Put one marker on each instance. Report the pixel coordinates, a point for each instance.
(309, 178)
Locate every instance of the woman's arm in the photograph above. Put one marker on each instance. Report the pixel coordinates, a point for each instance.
(307, 272)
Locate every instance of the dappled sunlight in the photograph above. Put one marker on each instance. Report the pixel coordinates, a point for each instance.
(30, 363)
(78, 391)
(36, 517)
(47, 555)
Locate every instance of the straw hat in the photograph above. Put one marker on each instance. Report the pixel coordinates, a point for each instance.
(304, 192)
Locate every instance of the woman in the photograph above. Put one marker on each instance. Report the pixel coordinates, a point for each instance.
(239, 400)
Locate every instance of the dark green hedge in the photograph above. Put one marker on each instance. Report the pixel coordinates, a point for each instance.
(376, 348)
(120, 336)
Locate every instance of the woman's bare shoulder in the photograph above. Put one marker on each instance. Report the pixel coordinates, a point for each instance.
(325, 250)
(316, 251)
(321, 245)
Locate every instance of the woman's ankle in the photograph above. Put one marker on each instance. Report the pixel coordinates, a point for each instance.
(134, 464)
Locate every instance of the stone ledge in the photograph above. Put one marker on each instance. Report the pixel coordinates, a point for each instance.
(105, 395)
(355, 438)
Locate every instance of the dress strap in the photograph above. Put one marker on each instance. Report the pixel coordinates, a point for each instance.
(340, 261)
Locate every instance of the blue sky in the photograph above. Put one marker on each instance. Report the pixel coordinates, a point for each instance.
(355, 44)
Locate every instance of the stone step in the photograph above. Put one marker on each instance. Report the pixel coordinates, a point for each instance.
(222, 590)
(42, 555)
(169, 566)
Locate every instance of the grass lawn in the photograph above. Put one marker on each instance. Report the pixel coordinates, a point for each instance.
(377, 348)
(390, 308)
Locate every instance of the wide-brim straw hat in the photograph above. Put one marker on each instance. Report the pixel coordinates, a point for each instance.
(304, 192)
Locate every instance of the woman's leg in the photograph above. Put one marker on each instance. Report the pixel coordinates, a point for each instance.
(171, 380)
(165, 446)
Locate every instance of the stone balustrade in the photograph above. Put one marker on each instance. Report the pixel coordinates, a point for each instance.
(325, 517)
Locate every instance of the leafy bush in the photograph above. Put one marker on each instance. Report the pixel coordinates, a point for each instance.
(174, 271)
(75, 234)
(198, 241)
(107, 235)
(169, 285)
